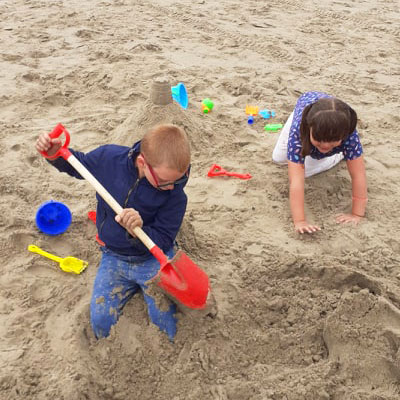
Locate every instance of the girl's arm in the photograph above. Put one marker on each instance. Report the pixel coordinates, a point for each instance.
(296, 198)
(359, 191)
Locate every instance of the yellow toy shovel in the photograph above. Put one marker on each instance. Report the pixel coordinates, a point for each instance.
(67, 264)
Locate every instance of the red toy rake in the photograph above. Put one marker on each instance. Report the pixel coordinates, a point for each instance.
(217, 170)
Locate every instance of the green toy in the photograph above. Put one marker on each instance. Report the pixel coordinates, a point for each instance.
(207, 105)
(272, 127)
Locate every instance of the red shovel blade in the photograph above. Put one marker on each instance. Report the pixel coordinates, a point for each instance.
(184, 281)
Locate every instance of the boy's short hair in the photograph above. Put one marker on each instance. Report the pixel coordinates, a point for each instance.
(168, 145)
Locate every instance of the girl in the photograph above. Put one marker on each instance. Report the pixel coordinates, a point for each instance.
(319, 133)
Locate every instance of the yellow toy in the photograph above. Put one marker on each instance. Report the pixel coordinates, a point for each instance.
(251, 111)
(67, 264)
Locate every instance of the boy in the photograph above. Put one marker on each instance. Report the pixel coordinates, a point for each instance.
(148, 181)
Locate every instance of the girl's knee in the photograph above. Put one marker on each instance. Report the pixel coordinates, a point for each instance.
(279, 157)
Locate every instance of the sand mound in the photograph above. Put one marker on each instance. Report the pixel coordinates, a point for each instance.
(297, 318)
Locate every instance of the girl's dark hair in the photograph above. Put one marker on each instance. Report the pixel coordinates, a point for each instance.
(330, 120)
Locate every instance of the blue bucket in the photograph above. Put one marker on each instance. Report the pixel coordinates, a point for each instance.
(179, 94)
(53, 217)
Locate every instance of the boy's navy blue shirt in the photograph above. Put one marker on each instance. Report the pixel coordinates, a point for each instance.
(162, 211)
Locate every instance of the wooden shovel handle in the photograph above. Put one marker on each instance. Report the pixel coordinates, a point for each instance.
(109, 199)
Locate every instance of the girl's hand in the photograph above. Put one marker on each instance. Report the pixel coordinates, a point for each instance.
(346, 218)
(129, 219)
(305, 227)
(46, 143)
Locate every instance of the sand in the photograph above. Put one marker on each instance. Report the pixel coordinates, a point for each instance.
(298, 317)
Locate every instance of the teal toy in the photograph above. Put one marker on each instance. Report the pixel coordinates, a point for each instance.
(267, 113)
(179, 94)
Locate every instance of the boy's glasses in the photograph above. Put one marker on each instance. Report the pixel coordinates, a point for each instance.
(163, 185)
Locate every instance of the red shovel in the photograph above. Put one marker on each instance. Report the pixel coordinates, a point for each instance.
(180, 277)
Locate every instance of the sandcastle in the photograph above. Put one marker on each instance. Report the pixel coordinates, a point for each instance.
(158, 109)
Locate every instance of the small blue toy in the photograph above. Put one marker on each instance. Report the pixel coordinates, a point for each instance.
(53, 217)
(179, 94)
(250, 120)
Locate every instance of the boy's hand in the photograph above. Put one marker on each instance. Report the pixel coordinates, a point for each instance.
(47, 144)
(129, 219)
(346, 218)
(305, 227)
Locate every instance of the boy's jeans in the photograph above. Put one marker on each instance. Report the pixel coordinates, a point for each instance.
(118, 279)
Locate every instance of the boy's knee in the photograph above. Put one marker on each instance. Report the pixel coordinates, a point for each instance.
(168, 325)
(102, 320)
(165, 320)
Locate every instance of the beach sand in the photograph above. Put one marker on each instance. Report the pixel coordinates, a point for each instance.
(298, 316)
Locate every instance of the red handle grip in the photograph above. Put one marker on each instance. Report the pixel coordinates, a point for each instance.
(63, 150)
(159, 255)
(216, 170)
